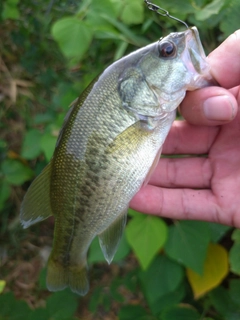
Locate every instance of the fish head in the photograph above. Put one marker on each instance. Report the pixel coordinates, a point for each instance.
(164, 72)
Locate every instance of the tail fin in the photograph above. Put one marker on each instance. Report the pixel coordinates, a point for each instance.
(59, 277)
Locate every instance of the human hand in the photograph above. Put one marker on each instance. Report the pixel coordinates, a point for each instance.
(202, 188)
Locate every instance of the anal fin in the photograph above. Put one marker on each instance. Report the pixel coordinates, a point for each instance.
(36, 203)
(109, 239)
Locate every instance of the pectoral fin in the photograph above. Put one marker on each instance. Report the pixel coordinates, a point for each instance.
(36, 203)
(110, 238)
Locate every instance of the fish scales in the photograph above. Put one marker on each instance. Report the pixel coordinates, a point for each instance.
(108, 146)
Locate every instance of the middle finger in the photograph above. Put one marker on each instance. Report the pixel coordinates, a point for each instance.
(182, 173)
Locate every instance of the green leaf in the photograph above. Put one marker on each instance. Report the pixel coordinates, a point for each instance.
(234, 253)
(13, 309)
(131, 312)
(42, 279)
(179, 6)
(62, 305)
(48, 142)
(130, 36)
(119, 53)
(133, 12)
(234, 258)
(41, 118)
(168, 300)
(73, 36)
(218, 231)
(2, 285)
(133, 213)
(224, 303)
(210, 9)
(39, 314)
(188, 243)
(146, 235)
(161, 278)
(16, 172)
(65, 95)
(234, 291)
(5, 191)
(109, 7)
(230, 21)
(180, 313)
(236, 235)
(31, 144)
(10, 10)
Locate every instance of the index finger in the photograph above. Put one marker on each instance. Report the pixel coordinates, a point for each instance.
(185, 138)
(225, 61)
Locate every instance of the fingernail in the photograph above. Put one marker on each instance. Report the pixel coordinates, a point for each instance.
(219, 108)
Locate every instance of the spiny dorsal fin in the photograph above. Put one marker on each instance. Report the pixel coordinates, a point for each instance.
(36, 203)
(110, 238)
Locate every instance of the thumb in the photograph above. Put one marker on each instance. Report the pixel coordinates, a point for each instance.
(209, 106)
(216, 105)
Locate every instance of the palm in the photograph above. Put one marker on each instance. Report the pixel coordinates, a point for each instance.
(202, 188)
(224, 157)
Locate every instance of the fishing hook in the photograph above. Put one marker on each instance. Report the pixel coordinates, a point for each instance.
(163, 12)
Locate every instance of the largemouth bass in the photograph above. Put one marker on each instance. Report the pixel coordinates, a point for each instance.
(108, 146)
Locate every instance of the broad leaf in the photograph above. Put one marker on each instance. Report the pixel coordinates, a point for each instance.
(10, 10)
(31, 147)
(73, 36)
(234, 258)
(210, 9)
(2, 285)
(236, 235)
(161, 278)
(131, 312)
(5, 191)
(188, 243)
(234, 253)
(16, 172)
(12, 308)
(231, 18)
(218, 231)
(169, 300)
(226, 302)
(48, 142)
(181, 313)
(61, 305)
(133, 12)
(146, 235)
(215, 270)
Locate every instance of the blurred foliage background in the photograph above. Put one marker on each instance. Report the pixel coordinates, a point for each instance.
(49, 52)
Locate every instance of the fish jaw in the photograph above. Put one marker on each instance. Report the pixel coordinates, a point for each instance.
(195, 61)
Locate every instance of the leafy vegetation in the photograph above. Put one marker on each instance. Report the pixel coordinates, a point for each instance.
(49, 52)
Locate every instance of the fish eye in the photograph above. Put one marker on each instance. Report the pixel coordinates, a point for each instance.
(167, 49)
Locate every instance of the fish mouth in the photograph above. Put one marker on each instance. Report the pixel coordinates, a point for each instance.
(195, 60)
